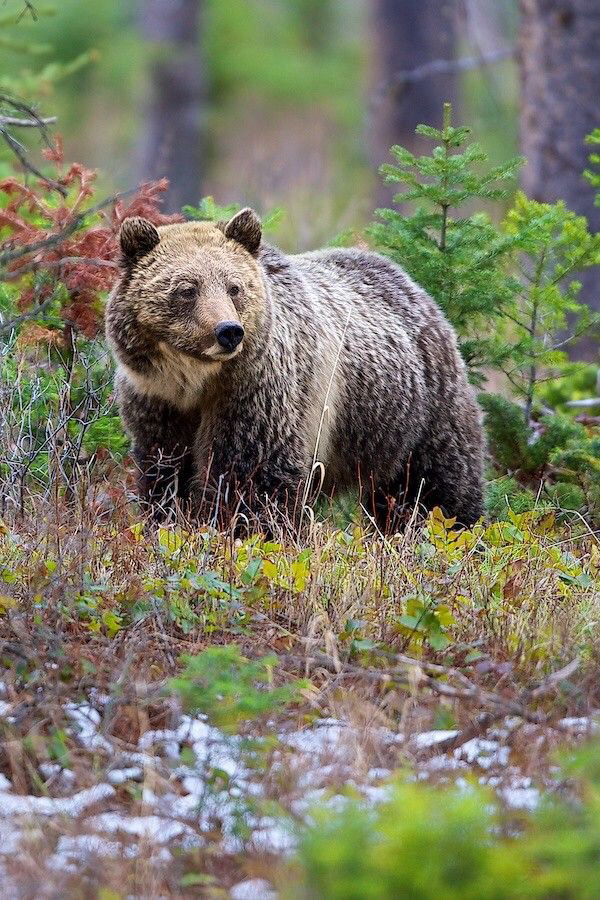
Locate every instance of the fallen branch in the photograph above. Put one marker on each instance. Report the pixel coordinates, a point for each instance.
(411, 673)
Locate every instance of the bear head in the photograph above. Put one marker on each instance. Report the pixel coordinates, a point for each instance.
(191, 292)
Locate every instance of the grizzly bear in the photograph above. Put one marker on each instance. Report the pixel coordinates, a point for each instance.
(248, 379)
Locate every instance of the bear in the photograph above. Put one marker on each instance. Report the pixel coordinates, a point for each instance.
(249, 380)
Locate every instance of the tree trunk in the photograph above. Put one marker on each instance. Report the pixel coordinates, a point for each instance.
(171, 144)
(409, 33)
(560, 81)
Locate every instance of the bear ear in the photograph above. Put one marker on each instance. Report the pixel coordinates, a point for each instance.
(245, 228)
(137, 237)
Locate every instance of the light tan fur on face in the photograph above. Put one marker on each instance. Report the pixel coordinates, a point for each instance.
(212, 310)
(194, 253)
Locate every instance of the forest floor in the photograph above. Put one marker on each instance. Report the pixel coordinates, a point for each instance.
(126, 770)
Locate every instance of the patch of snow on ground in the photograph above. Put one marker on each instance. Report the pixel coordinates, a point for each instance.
(252, 889)
(152, 828)
(483, 753)
(15, 805)
(86, 720)
(430, 738)
(184, 802)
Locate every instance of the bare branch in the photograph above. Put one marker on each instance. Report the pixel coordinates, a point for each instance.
(29, 113)
(32, 121)
(583, 404)
(57, 263)
(21, 155)
(28, 8)
(408, 672)
(9, 326)
(26, 123)
(450, 67)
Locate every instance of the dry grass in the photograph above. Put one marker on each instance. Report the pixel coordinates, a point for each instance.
(432, 628)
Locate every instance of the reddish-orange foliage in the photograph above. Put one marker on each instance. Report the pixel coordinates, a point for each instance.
(84, 262)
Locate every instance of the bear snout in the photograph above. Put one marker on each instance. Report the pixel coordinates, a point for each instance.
(229, 335)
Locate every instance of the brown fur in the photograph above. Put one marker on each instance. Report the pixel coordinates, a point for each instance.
(345, 361)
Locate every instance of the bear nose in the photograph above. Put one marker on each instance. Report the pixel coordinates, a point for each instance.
(229, 335)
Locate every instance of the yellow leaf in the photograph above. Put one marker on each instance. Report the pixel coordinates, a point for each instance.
(269, 569)
(6, 603)
(545, 523)
(444, 615)
(137, 531)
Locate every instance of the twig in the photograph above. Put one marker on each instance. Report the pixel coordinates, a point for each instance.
(7, 327)
(19, 152)
(28, 8)
(551, 681)
(583, 404)
(26, 123)
(450, 67)
(21, 107)
(57, 263)
(410, 672)
(33, 121)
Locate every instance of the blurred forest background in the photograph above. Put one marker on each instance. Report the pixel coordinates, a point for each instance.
(294, 103)
(287, 103)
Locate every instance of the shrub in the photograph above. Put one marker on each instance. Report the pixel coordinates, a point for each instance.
(552, 244)
(560, 453)
(57, 260)
(426, 843)
(228, 688)
(510, 293)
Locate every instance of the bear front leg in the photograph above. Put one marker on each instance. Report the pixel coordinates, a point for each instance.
(162, 450)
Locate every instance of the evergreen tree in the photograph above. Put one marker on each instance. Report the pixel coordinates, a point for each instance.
(553, 244)
(461, 259)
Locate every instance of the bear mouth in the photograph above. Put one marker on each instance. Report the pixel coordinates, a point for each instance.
(212, 355)
(204, 355)
(218, 354)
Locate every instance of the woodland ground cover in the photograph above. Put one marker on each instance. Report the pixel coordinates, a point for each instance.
(177, 706)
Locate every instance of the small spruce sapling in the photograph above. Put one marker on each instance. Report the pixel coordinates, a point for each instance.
(229, 689)
(461, 259)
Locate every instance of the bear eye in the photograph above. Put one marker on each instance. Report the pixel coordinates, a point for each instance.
(233, 290)
(186, 291)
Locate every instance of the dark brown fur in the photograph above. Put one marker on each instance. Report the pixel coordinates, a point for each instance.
(345, 361)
